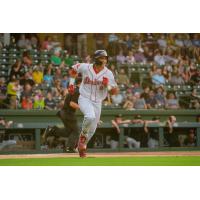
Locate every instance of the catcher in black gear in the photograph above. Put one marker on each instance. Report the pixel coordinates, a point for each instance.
(55, 135)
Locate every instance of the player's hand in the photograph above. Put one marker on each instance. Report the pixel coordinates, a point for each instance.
(71, 89)
(73, 73)
(105, 81)
(113, 91)
(100, 123)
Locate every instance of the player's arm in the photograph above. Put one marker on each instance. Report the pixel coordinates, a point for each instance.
(116, 126)
(111, 84)
(145, 127)
(127, 121)
(74, 105)
(73, 73)
(74, 100)
(170, 126)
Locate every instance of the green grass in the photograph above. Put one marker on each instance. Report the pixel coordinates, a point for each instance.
(119, 161)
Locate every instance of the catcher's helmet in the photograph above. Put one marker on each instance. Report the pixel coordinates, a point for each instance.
(98, 54)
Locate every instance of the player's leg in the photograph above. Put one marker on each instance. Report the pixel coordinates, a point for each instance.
(97, 111)
(73, 136)
(71, 125)
(87, 109)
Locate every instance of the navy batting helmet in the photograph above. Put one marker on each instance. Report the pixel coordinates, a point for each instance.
(98, 54)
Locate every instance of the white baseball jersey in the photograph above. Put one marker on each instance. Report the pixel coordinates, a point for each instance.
(91, 86)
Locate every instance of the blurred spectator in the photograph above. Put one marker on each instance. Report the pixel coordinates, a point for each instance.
(187, 41)
(47, 43)
(27, 78)
(179, 41)
(23, 42)
(117, 99)
(128, 42)
(120, 58)
(160, 97)
(12, 89)
(48, 77)
(56, 44)
(149, 55)
(153, 70)
(37, 75)
(57, 89)
(139, 133)
(27, 90)
(171, 41)
(162, 42)
(135, 139)
(113, 38)
(122, 78)
(68, 59)
(151, 100)
(166, 74)
(130, 59)
(158, 78)
(49, 102)
(196, 40)
(34, 41)
(195, 77)
(139, 103)
(65, 81)
(128, 104)
(26, 59)
(114, 136)
(194, 100)
(136, 88)
(171, 136)
(27, 103)
(56, 59)
(153, 132)
(169, 57)
(145, 93)
(176, 79)
(58, 74)
(38, 100)
(139, 56)
(190, 140)
(158, 58)
(16, 71)
(171, 101)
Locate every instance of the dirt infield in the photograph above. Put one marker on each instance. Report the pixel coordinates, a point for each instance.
(104, 155)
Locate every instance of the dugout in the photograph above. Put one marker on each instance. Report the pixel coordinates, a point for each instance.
(29, 125)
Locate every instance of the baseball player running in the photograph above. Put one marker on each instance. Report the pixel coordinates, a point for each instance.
(97, 81)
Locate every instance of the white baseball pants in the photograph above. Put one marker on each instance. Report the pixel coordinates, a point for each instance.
(91, 112)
